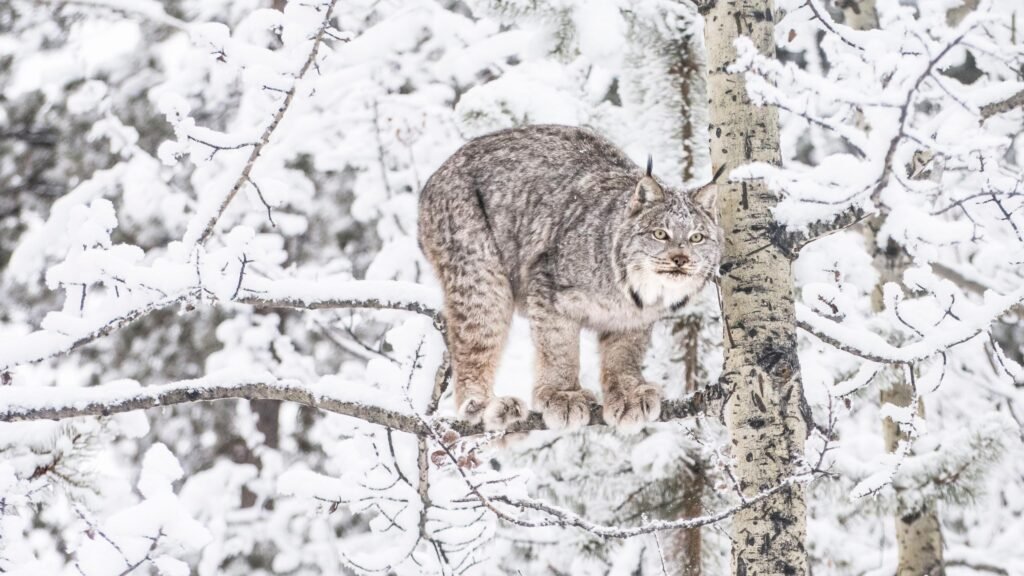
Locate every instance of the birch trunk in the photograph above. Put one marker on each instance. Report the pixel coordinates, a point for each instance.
(918, 532)
(762, 371)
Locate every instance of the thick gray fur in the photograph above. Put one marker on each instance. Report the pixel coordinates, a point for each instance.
(558, 223)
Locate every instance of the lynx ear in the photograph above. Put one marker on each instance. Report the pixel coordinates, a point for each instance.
(707, 195)
(647, 189)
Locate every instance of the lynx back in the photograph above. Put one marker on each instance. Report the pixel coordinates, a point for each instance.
(557, 223)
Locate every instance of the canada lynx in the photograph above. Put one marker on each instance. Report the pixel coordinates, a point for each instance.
(558, 223)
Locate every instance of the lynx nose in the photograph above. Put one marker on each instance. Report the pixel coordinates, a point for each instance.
(679, 259)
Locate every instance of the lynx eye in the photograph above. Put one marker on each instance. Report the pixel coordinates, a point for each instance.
(660, 235)
(696, 238)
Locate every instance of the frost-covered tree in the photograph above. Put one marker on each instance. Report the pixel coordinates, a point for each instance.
(899, 121)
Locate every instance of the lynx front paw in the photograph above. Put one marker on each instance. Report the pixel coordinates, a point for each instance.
(565, 409)
(629, 409)
(504, 411)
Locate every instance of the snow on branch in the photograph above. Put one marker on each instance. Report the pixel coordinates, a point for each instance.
(870, 346)
(1002, 106)
(288, 293)
(327, 294)
(43, 344)
(22, 403)
(147, 9)
(791, 241)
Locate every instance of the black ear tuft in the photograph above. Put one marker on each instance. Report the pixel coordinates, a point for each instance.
(650, 164)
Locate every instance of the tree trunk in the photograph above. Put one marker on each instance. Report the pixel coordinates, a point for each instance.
(918, 533)
(762, 370)
(685, 550)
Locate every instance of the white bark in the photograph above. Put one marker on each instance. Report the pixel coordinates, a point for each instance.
(762, 371)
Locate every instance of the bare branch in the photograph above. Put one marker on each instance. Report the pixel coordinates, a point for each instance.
(830, 24)
(1015, 101)
(557, 516)
(270, 213)
(44, 344)
(28, 403)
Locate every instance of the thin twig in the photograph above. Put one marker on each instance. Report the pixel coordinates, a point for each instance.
(207, 229)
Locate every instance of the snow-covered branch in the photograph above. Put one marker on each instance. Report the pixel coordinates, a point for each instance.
(319, 295)
(791, 241)
(328, 294)
(44, 344)
(26, 403)
(870, 346)
(146, 9)
(1015, 101)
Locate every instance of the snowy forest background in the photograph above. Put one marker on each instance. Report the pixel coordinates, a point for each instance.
(127, 260)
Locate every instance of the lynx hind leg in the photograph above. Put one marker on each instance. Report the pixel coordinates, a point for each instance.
(479, 310)
(457, 239)
(629, 401)
(557, 393)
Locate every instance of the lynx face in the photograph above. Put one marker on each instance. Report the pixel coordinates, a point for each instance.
(669, 244)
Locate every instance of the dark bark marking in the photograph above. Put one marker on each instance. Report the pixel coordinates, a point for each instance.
(758, 402)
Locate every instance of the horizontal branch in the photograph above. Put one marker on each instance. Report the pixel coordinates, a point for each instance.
(296, 294)
(790, 242)
(44, 344)
(151, 11)
(34, 403)
(557, 516)
(330, 294)
(1015, 101)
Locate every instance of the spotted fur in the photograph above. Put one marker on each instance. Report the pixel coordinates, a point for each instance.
(558, 223)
